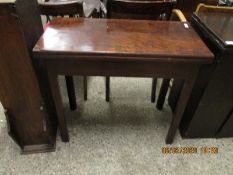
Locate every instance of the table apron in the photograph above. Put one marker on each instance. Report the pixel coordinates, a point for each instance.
(122, 68)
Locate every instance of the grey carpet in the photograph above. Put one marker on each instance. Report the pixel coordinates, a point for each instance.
(123, 137)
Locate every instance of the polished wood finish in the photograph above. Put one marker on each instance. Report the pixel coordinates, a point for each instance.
(158, 33)
(107, 47)
(209, 110)
(28, 115)
(151, 10)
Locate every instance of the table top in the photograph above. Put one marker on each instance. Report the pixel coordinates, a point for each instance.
(219, 24)
(156, 40)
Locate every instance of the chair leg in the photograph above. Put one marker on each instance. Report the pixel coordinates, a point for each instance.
(162, 93)
(71, 92)
(85, 87)
(107, 88)
(153, 90)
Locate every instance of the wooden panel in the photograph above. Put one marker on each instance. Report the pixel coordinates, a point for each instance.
(216, 102)
(19, 89)
(28, 14)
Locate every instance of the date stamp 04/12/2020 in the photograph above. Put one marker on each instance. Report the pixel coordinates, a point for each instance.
(190, 150)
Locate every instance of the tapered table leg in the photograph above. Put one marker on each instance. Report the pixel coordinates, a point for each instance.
(71, 92)
(153, 90)
(182, 102)
(85, 87)
(162, 93)
(107, 88)
(59, 106)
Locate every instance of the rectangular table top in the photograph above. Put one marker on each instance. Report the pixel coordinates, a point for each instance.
(218, 24)
(153, 40)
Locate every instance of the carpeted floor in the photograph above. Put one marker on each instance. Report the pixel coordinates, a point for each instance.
(123, 137)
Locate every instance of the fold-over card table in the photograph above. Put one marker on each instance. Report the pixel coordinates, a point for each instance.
(127, 48)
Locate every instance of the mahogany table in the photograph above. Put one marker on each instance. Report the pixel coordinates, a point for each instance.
(131, 48)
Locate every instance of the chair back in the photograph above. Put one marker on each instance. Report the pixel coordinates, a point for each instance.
(61, 8)
(215, 9)
(139, 9)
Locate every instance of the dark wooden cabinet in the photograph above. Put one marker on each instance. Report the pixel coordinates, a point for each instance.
(29, 120)
(209, 110)
(226, 130)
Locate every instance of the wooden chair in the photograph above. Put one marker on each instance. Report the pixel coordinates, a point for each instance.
(61, 8)
(211, 8)
(200, 8)
(188, 6)
(71, 8)
(139, 9)
(142, 10)
(177, 15)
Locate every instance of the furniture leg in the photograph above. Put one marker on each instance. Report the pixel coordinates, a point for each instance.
(107, 88)
(71, 92)
(182, 102)
(153, 90)
(162, 93)
(59, 107)
(85, 87)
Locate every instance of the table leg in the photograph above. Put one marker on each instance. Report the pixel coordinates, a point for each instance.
(85, 87)
(59, 106)
(153, 90)
(162, 93)
(107, 88)
(71, 92)
(182, 102)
